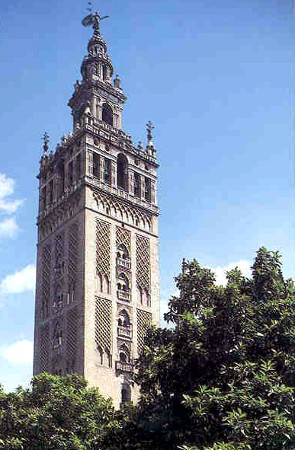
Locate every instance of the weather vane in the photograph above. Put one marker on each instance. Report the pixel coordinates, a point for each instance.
(93, 19)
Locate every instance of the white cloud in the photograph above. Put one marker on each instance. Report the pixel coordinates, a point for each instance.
(8, 228)
(21, 281)
(220, 272)
(6, 189)
(21, 352)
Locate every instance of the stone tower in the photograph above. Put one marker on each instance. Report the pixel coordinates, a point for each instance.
(97, 263)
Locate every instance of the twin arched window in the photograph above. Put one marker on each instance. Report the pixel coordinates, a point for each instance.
(103, 284)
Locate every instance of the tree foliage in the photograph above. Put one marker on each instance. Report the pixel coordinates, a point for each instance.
(57, 413)
(223, 377)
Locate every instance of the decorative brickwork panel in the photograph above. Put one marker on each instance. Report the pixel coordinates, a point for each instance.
(46, 280)
(72, 325)
(143, 266)
(123, 236)
(73, 254)
(59, 255)
(103, 247)
(144, 320)
(44, 357)
(103, 323)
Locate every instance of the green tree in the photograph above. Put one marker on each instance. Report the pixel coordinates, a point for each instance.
(57, 413)
(223, 376)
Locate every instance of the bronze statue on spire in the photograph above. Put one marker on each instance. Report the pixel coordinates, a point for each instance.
(94, 21)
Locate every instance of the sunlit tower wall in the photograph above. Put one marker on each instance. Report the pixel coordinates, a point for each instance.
(97, 285)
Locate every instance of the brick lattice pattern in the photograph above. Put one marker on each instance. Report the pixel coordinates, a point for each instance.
(44, 349)
(143, 267)
(103, 324)
(59, 255)
(123, 237)
(46, 279)
(72, 324)
(73, 253)
(103, 247)
(144, 320)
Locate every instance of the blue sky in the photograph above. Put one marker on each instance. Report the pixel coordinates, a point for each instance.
(214, 77)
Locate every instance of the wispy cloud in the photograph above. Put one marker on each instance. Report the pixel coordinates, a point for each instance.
(220, 272)
(8, 228)
(20, 352)
(20, 281)
(7, 206)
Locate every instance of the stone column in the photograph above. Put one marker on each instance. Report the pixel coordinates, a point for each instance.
(131, 182)
(113, 173)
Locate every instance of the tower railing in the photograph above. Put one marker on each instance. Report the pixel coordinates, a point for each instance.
(126, 263)
(123, 295)
(125, 331)
(124, 366)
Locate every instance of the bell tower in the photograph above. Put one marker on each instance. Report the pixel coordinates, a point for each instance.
(97, 263)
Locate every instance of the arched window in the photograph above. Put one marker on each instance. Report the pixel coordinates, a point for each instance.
(124, 320)
(123, 259)
(124, 354)
(123, 282)
(106, 285)
(99, 283)
(100, 354)
(104, 72)
(109, 358)
(139, 295)
(123, 357)
(122, 172)
(107, 114)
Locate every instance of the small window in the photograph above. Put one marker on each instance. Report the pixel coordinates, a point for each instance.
(96, 165)
(107, 114)
(107, 171)
(147, 193)
(137, 184)
(122, 172)
(104, 72)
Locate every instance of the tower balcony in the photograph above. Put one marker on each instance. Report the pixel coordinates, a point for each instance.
(124, 295)
(126, 263)
(124, 332)
(124, 367)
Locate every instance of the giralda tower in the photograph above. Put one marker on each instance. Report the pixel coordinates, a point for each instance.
(97, 263)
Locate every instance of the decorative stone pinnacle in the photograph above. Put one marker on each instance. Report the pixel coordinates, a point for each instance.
(45, 139)
(93, 20)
